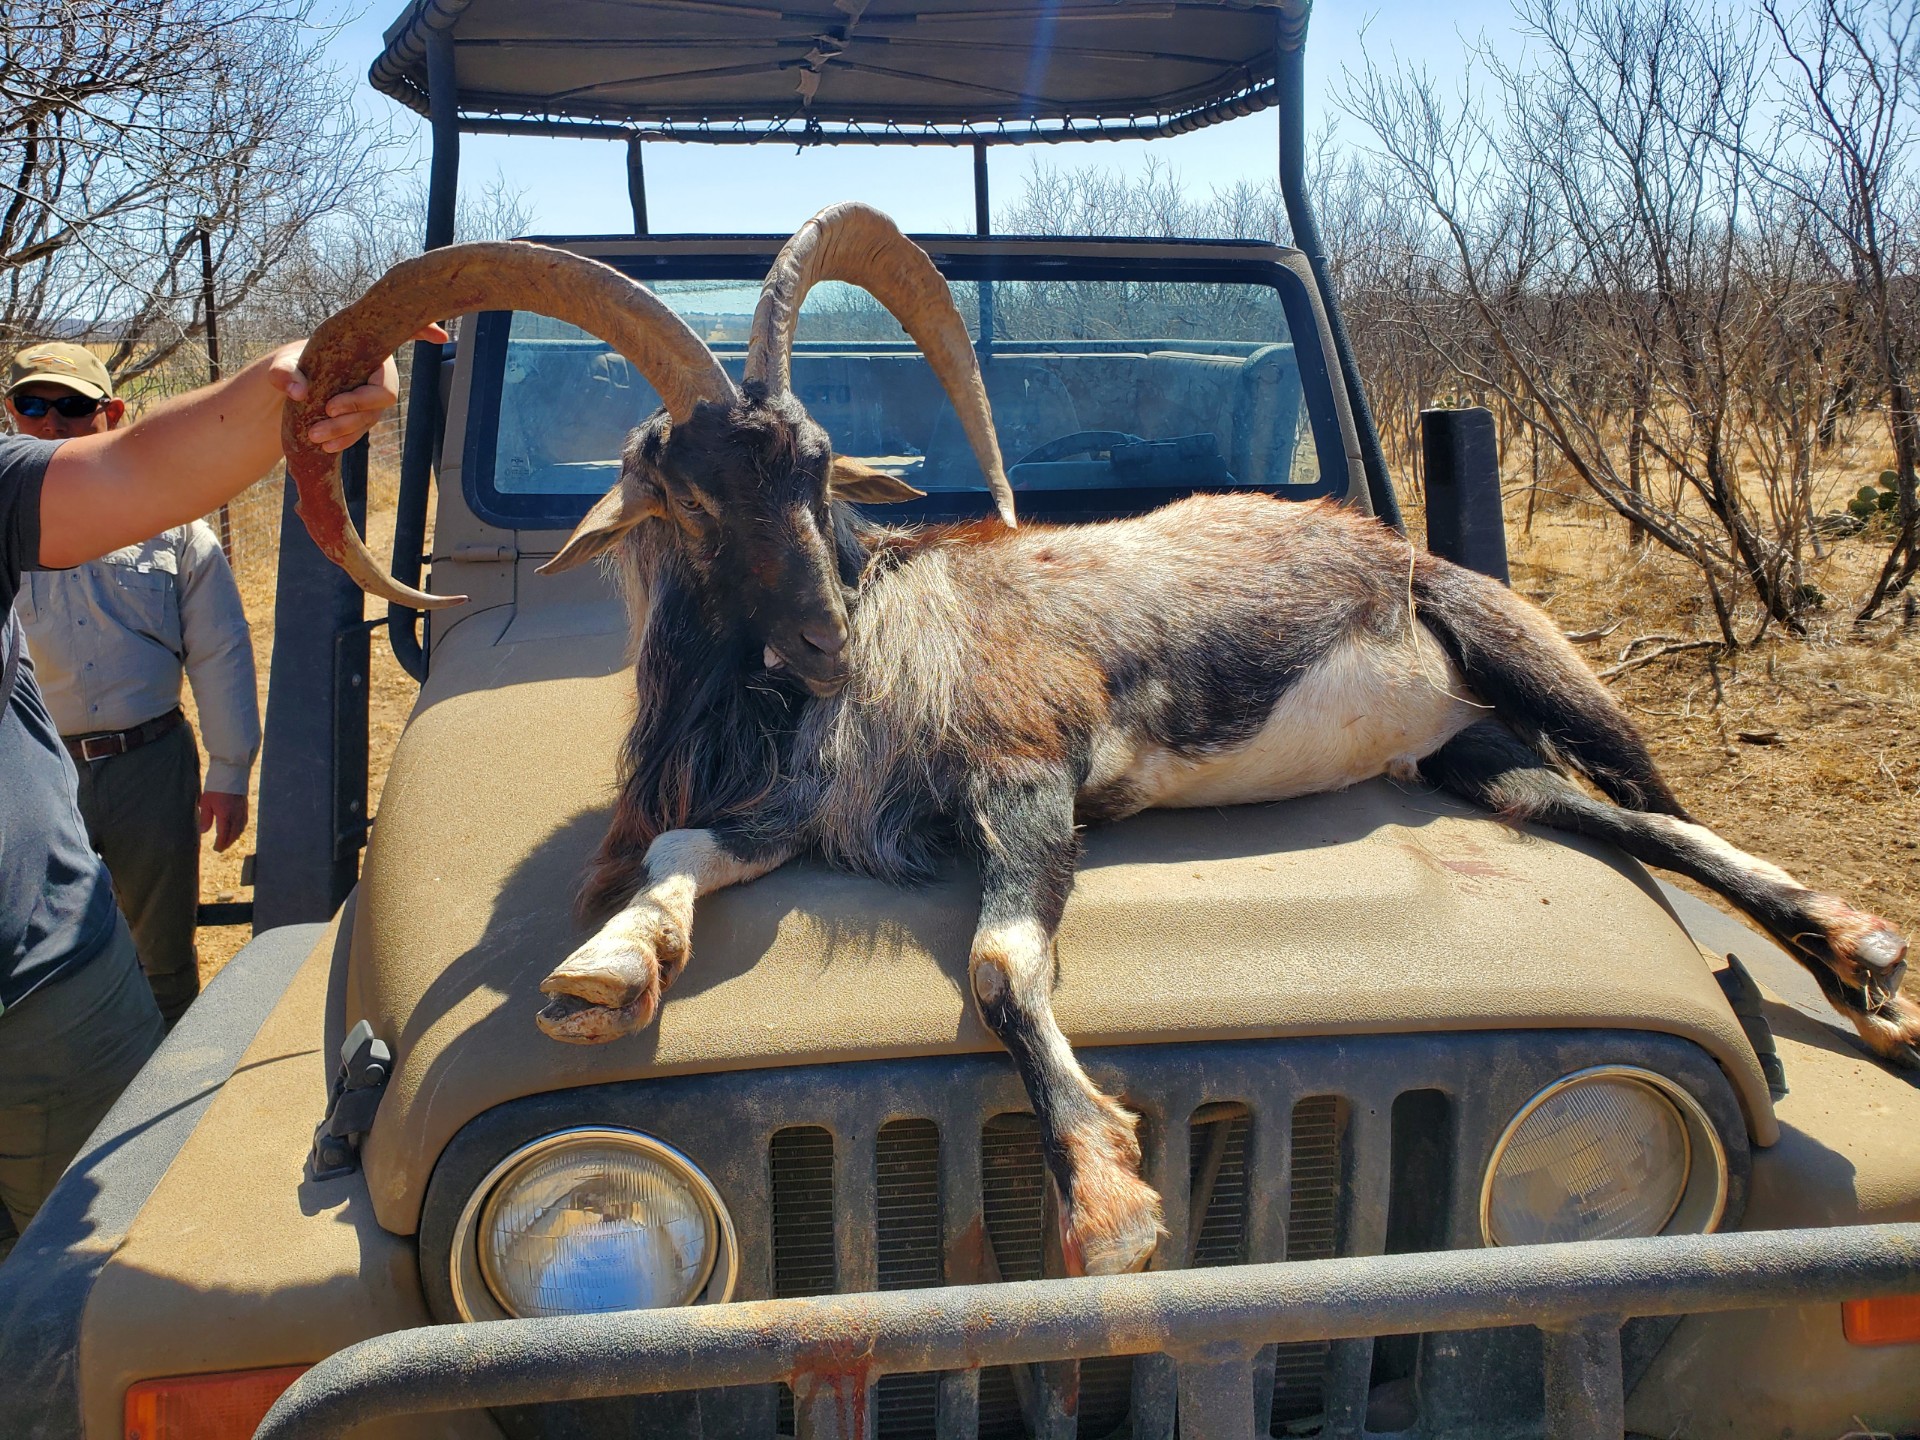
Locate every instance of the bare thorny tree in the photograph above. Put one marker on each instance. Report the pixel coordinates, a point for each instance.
(1850, 131)
(125, 127)
(1668, 244)
(328, 266)
(1587, 233)
(1666, 261)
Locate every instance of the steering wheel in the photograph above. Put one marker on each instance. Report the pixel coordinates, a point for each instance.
(1080, 442)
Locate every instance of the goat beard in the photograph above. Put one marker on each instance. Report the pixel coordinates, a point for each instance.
(714, 728)
(710, 736)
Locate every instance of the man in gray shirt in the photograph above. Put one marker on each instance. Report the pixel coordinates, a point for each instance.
(110, 642)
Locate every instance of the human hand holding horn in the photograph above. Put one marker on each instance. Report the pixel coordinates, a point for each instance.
(457, 280)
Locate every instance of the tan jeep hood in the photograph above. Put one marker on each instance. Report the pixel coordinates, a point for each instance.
(1378, 909)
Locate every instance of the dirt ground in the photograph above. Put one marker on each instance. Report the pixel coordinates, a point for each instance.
(1804, 750)
(390, 699)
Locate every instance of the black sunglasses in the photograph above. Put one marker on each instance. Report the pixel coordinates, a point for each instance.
(73, 407)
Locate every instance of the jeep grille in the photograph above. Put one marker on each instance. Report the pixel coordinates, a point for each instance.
(888, 1175)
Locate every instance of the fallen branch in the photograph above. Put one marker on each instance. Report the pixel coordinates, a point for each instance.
(1639, 640)
(1583, 637)
(1660, 654)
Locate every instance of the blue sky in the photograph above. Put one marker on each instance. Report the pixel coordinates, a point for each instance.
(579, 187)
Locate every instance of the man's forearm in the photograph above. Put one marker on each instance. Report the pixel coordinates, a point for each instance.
(189, 455)
(179, 461)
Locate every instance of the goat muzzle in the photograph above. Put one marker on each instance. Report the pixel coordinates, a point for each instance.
(824, 673)
(813, 651)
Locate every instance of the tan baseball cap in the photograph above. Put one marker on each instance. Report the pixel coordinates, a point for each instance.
(57, 363)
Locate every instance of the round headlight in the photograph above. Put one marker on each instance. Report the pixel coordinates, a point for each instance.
(588, 1221)
(1605, 1154)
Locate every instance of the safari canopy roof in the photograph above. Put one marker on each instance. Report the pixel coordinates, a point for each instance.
(847, 70)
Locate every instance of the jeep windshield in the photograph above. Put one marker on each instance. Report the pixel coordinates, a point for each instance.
(1114, 387)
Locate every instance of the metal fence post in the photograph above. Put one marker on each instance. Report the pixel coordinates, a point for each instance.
(1462, 460)
(310, 767)
(204, 228)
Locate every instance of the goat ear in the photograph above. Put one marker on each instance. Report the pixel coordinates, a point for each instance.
(856, 480)
(612, 515)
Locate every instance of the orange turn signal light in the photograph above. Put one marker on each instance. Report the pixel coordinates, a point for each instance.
(226, 1406)
(1893, 1320)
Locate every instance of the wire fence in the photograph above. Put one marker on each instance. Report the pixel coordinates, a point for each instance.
(249, 524)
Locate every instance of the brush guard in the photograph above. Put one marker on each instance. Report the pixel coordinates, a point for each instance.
(1213, 1323)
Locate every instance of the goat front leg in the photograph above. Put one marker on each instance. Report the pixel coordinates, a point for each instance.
(1110, 1217)
(612, 985)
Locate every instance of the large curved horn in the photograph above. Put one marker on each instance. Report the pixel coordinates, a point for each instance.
(858, 244)
(457, 280)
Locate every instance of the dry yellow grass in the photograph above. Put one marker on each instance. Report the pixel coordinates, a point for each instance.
(1804, 751)
(1833, 793)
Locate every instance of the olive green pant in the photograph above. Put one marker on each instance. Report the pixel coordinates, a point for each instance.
(141, 810)
(66, 1053)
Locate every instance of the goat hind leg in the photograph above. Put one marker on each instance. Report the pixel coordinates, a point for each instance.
(612, 985)
(1110, 1217)
(1857, 959)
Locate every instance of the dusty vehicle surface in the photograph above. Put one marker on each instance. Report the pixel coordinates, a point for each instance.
(1461, 1129)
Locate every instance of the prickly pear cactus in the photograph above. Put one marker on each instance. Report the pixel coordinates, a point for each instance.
(1872, 501)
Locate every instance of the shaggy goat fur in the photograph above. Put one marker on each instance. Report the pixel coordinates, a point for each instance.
(988, 690)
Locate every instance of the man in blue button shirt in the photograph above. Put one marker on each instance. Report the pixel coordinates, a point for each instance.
(77, 1019)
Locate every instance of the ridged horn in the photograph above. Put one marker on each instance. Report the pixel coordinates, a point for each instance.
(458, 280)
(858, 244)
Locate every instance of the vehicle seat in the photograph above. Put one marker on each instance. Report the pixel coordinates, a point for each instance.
(1266, 418)
(1031, 405)
(1185, 394)
(841, 392)
(568, 405)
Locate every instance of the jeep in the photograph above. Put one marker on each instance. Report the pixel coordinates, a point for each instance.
(1462, 1129)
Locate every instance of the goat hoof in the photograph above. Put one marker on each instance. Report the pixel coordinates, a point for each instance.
(613, 983)
(1893, 1031)
(1862, 950)
(1882, 953)
(629, 958)
(574, 1021)
(1117, 1239)
(1112, 1223)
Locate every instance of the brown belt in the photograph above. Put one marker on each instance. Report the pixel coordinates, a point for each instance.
(104, 743)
